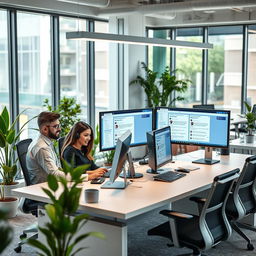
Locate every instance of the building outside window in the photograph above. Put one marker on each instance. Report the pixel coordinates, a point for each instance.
(34, 66)
(73, 67)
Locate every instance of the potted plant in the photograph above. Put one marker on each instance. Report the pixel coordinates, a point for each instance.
(158, 91)
(109, 156)
(6, 232)
(63, 225)
(68, 110)
(8, 161)
(251, 118)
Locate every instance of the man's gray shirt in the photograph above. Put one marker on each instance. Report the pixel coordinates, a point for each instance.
(42, 160)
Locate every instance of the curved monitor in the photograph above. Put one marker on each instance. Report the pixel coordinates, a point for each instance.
(202, 127)
(122, 148)
(114, 123)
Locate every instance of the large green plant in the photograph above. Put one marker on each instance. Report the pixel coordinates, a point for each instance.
(251, 118)
(62, 228)
(6, 232)
(68, 110)
(96, 141)
(109, 156)
(158, 91)
(8, 140)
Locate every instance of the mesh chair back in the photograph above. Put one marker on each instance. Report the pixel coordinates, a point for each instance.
(244, 194)
(213, 217)
(204, 106)
(22, 149)
(60, 144)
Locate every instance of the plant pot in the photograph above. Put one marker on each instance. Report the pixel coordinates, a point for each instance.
(8, 189)
(10, 205)
(249, 138)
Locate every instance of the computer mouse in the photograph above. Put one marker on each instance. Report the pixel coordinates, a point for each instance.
(182, 170)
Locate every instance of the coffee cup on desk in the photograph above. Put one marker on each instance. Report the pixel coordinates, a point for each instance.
(91, 195)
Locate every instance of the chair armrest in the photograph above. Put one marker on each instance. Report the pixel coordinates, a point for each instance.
(176, 215)
(197, 199)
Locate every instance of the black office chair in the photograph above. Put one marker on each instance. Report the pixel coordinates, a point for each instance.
(204, 106)
(210, 227)
(26, 205)
(242, 200)
(60, 143)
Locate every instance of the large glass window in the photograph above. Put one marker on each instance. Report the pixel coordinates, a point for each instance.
(34, 65)
(251, 79)
(225, 67)
(189, 64)
(4, 81)
(73, 72)
(102, 93)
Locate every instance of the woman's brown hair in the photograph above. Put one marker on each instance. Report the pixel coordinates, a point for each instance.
(74, 135)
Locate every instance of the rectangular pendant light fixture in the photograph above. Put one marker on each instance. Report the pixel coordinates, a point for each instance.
(116, 38)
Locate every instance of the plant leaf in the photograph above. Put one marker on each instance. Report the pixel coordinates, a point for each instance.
(52, 182)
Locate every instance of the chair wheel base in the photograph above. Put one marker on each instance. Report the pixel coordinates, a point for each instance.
(250, 247)
(17, 249)
(23, 236)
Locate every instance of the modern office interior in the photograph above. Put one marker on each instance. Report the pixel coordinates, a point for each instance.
(38, 62)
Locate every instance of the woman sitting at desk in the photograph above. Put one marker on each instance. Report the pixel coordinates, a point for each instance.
(77, 147)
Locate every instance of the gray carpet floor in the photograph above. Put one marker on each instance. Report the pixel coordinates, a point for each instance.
(139, 243)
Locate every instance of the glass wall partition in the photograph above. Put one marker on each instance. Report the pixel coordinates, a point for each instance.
(34, 66)
(102, 93)
(225, 67)
(73, 66)
(4, 79)
(251, 75)
(189, 65)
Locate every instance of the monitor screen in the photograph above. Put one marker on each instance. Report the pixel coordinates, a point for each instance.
(114, 123)
(202, 127)
(122, 148)
(159, 147)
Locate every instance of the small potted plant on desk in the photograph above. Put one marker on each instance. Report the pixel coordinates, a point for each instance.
(251, 118)
(8, 166)
(109, 156)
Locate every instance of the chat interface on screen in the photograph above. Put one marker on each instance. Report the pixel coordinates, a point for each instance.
(195, 127)
(162, 146)
(116, 124)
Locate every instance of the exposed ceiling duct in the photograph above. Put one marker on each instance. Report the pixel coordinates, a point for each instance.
(185, 6)
(94, 3)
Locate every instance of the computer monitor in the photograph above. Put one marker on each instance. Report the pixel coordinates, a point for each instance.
(201, 127)
(159, 149)
(113, 124)
(122, 148)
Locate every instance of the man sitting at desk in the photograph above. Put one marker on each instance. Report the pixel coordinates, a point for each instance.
(41, 156)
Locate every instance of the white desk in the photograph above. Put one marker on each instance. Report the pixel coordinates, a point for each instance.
(236, 146)
(143, 195)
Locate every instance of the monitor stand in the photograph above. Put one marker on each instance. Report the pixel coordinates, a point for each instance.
(207, 158)
(118, 184)
(158, 170)
(131, 174)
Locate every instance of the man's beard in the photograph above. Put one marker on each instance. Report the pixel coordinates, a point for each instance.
(53, 136)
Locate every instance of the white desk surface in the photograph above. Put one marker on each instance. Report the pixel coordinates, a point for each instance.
(144, 194)
(237, 144)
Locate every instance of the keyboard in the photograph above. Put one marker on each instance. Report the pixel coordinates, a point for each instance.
(169, 176)
(99, 180)
(106, 174)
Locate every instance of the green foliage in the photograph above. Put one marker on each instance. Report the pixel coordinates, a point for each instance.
(8, 140)
(68, 110)
(109, 156)
(96, 141)
(158, 91)
(251, 118)
(61, 229)
(6, 232)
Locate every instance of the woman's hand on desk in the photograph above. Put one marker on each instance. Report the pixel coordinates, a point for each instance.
(96, 173)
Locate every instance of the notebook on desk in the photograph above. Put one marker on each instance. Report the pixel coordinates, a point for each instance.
(169, 176)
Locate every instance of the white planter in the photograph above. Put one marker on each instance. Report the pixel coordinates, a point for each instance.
(249, 138)
(8, 189)
(10, 207)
